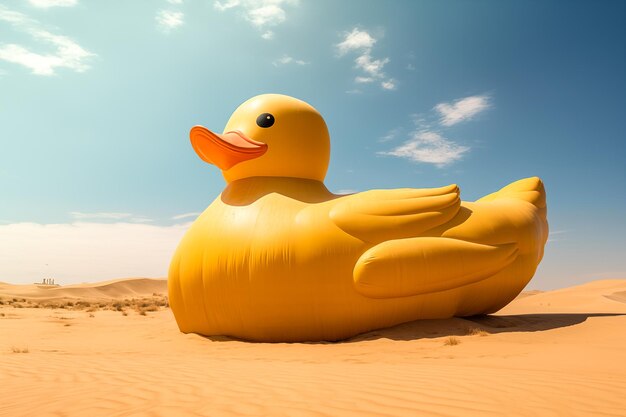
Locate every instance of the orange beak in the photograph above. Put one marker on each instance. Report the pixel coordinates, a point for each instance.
(226, 150)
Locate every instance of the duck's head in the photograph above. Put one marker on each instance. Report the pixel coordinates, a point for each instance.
(270, 135)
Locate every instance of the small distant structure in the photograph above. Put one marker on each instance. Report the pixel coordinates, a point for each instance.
(47, 281)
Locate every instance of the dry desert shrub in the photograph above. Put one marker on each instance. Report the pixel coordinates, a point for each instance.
(474, 331)
(452, 341)
(19, 350)
(146, 304)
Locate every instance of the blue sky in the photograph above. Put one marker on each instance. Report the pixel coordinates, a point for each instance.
(98, 179)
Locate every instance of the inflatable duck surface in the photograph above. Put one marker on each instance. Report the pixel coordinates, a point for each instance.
(279, 258)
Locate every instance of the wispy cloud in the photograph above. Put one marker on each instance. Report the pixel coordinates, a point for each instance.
(556, 235)
(100, 215)
(362, 42)
(82, 251)
(44, 4)
(427, 142)
(287, 60)
(461, 109)
(429, 147)
(114, 216)
(168, 20)
(185, 215)
(175, 1)
(67, 54)
(262, 14)
(346, 191)
(391, 135)
(227, 4)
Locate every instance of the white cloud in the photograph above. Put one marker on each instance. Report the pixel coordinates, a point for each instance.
(362, 42)
(67, 54)
(373, 67)
(462, 109)
(346, 191)
(185, 215)
(225, 5)
(389, 84)
(44, 4)
(286, 60)
(260, 13)
(175, 1)
(266, 14)
(429, 147)
(167, 20)
(100, 215)
(356, 40)
(82, 252)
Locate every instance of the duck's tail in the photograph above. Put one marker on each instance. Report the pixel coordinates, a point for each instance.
(529, 189)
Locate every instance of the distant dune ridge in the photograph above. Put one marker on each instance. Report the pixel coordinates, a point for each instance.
(106, 290)
(113, 349)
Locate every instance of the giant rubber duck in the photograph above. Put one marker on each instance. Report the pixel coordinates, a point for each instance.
(277, 257)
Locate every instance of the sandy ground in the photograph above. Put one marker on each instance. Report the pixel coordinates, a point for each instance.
(113, 349)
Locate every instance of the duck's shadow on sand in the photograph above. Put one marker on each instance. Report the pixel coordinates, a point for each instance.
(485, 325)
(489, 324)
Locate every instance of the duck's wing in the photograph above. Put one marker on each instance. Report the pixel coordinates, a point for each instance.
(380, 215)
(422, 265)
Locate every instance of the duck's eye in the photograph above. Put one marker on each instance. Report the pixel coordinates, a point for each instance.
(265, 120)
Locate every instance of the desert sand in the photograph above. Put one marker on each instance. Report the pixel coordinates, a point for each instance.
(113, 349)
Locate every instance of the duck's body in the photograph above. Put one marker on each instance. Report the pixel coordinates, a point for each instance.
(278, 258)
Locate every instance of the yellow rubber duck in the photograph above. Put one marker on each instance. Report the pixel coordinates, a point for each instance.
(278, 257)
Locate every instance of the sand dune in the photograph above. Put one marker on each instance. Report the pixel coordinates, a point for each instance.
(555, 353)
